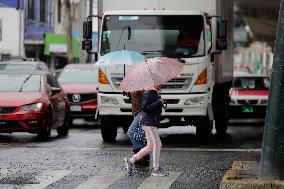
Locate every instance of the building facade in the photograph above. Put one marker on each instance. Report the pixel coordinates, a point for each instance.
(36, 17)
(11, 35)
(39, 19)
(40, 28)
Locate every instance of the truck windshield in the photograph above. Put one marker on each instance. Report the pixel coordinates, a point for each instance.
(176, 36)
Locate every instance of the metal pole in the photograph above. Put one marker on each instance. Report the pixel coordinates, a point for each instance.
(89, 58)
(272, 156)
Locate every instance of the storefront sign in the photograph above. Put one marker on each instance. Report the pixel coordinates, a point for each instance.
(58, 48)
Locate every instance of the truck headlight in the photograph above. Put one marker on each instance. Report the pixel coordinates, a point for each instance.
(194, 101)
(35, 107)
(109, 100)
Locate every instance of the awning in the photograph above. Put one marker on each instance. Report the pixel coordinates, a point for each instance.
(57, 44)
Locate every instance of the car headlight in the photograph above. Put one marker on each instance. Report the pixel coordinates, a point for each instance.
(194, 101)
(264, 101)
(109, 100)
(233, 101)
(34, 107)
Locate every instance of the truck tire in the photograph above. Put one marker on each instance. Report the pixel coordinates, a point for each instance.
(221, 109)
(108, 131)
(204, 128)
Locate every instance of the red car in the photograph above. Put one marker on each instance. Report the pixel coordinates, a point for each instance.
(32, 101)
(249, 96)
(80, 81)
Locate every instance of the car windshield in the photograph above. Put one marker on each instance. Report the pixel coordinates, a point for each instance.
(20, 83)
(176, 36)
(17, 66)
(251, 83)
(79, 75)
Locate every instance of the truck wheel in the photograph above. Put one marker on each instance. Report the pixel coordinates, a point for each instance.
(221, 109)
(108, 131)
(125, 129)
(204, 128)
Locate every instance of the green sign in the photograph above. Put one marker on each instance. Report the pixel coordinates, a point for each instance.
(247, 109)
(59, 42)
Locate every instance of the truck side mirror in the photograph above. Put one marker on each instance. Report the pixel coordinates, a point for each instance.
(87, 29)
(221, 41)
(87, 45)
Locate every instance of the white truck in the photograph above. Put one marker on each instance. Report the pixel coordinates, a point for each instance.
(199, 96)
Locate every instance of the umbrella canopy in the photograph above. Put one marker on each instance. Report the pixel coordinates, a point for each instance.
(120, 58)
(151, 72)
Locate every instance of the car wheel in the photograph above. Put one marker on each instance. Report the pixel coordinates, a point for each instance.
(44, 134)
(63, 130)
(108, 131)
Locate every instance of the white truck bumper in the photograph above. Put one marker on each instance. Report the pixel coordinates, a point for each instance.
(181, 105)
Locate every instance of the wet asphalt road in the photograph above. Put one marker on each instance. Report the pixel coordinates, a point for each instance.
(81, 159)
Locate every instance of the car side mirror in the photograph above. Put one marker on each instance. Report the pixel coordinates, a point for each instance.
(221, 41)
(55, 90)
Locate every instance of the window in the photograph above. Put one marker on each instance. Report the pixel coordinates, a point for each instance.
(59, 11)
(20, 83)
(31, 9)
(42, 11)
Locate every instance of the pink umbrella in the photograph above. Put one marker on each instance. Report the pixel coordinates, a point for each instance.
(149, 73)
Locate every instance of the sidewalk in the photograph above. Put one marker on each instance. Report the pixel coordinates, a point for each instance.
(244, 175)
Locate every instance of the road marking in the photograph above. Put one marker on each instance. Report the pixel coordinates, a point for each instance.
(160, 182)
(47, 178)
(101, 181)
(173, 149)
(6, 172)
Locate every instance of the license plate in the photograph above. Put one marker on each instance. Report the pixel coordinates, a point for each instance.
(75, 108)
(247, 109)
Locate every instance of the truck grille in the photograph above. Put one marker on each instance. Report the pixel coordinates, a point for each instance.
(181, 83)
(7, 109)
(83, 97)
(178, 83)
(168, 101)
(247, 101)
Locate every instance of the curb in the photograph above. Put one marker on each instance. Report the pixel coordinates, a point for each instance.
(243, 175)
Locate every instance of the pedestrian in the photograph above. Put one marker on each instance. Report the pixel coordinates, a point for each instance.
(135, 132)
(150, 119)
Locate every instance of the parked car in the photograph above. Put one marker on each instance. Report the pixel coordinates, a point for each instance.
(33, 102)
(24, 64)
(80, 81)
(249, 95)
